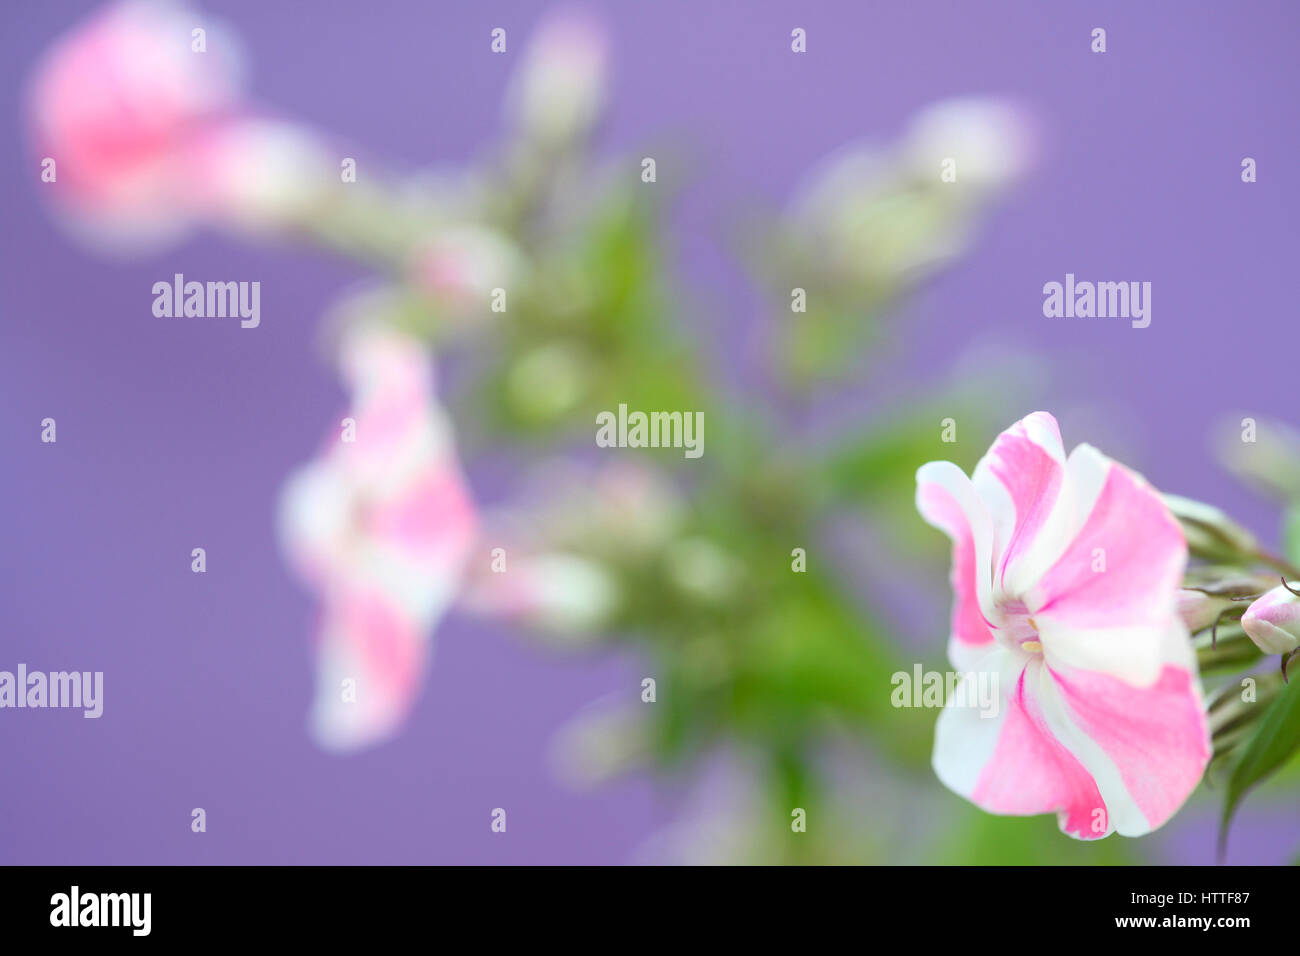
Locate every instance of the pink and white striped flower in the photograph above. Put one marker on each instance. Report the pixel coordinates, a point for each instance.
(1066, 573)
(380, 526)
(123, 105)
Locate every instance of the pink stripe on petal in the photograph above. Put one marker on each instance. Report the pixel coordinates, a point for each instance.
(368, 642)
(432, 516)
(1028, 461)
(966, 523)
(1124, 566)
(1032, 772)
(386, 644)
(1156, 736)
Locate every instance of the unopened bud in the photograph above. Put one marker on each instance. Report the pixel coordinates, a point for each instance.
(1208, 592)
(1200, 610)
(557, 95)
(1273, 621)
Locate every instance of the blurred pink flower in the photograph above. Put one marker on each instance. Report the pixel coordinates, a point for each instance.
(380, 526)
(1066, 573)
(459, 266)
(121, 103)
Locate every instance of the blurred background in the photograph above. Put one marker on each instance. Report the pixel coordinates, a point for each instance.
(179, 434)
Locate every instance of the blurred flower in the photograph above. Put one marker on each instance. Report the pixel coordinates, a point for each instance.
(561, 594)
(988, 139)
(564, 542)
(260, 174)
(380, 527)
(122, 104)
(459, 266)
(870, 218)
(1066, 573)
(1273, 621)
(619, 509)
(557, 93)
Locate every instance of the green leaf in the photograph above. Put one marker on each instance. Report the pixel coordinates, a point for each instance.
(1274, 742)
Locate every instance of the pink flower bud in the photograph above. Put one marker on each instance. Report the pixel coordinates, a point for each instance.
(118, 104)
(459, 266)
(1273, 622)
(1200, 610)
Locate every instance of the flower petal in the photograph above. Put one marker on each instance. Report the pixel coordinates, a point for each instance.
(368, 641)
(1108, 601)
(1147, 747)
(1022, 479)
(1013, 763)
(947, 500)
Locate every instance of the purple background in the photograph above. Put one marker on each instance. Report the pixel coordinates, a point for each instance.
(176, 434)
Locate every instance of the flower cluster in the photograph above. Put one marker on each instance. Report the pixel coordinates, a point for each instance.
(1098, 604)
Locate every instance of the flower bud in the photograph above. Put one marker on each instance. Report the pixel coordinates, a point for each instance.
(1200, 610)
(457, 268)
(990, 141)
(564, 595)
(1273, 621)
(260, 175)
(558, 92)
(1209, 591)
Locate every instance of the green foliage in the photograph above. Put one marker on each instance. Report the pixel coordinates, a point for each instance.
(1275, 740)
(977, 838)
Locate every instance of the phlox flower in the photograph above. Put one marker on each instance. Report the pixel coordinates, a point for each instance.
(149, 134)
(122, 104)
(1066, 573)
(380, 527)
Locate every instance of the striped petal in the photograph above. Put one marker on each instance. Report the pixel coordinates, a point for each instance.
(1022, 480)
(1108, 601)
(947, 500)
(370, 660)
(1014, 764)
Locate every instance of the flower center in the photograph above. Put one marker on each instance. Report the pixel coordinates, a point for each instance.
(1019, 629)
